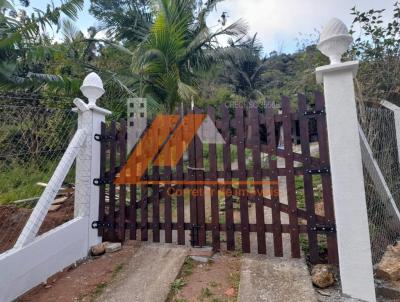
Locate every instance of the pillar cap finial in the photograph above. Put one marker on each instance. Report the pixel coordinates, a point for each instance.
(335, 40)
(92, 87)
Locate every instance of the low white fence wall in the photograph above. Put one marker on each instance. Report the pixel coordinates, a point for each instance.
(24, 268)
(35, 258)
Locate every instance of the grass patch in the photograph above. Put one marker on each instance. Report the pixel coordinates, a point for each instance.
(187, 268)
(100, 288)
(18, 181)
(180, 281)
(299, 185)
(117, 269)
(213, 284)
(205, 293)
(234, 279)
(322, 244)
(177, 285)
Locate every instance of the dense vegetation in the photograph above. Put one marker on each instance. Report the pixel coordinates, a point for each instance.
(166, 51)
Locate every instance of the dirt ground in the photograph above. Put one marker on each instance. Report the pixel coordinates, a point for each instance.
(217, 280)
(84, 282)
(13, 219)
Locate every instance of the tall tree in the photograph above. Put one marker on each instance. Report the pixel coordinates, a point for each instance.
(179, 44)
(124, 20)
(23, 41)
(376, 45)
(244, 66)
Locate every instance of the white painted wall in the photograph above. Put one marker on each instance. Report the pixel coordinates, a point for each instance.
(24, 268)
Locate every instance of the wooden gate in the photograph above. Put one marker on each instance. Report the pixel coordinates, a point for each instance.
(247, 193)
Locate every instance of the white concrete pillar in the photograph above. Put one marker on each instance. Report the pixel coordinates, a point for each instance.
(90, 118)
(355, 260)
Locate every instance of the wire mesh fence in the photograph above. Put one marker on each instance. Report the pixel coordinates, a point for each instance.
(378, 125)
(32, 141)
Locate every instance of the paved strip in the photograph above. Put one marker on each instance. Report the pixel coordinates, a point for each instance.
(274, 280)
(148, 275)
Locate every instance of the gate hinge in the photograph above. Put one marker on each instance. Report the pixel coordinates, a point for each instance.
(324, 228)
(102, 225)
(325, 170)
(101, 181)
(100, 137)
(314, 112)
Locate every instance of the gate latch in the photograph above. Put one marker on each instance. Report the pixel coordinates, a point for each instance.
(194, 235)
(324, 228)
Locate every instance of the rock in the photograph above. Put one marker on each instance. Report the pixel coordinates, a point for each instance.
(200, 259)
(98, 249)
(389, 266)
(230, 292)
(322, 276)
(112, 247)
(54, 207)
(203, 252)
(387, 292)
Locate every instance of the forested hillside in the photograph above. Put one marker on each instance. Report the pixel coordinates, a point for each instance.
(165, 51)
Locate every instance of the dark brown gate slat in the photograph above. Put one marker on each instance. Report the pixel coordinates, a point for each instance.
(102, 189)
(180, 199)
(132, 212)
(113, 155)
(167, 197)
(274, 188)
(191, 187)
(326, 178)
(290, 180)
(230, 230)
(180, 203)
(122, 188)
(144, 200)
(155, 199)
(212, 153)
(308, 179)
(201, 217)
(241, 157)
(143, 212)
(257, 175)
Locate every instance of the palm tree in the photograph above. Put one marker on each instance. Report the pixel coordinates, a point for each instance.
(24, 42)
(244, 67)
(176, 45)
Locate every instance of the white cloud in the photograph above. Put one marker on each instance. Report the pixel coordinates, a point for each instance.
(279, 22)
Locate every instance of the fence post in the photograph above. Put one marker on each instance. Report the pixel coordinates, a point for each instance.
(346, 166)
(90, 117)
(396, 112)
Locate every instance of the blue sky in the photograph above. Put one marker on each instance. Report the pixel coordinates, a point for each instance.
(277, 22)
